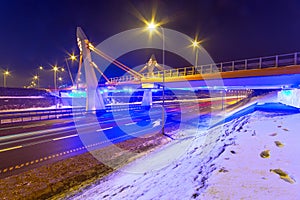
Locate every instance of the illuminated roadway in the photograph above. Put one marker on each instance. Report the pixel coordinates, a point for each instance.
(24, 146)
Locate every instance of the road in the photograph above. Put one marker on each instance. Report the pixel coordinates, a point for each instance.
(24, 146)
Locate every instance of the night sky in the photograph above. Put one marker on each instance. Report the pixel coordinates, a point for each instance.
(41, 32)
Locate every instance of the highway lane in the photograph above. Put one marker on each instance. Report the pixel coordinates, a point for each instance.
(29, 148)
(21, 127)
(29, 145)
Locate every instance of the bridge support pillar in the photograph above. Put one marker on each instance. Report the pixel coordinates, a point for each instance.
(94, 100)
(289, 97)
(147, 98)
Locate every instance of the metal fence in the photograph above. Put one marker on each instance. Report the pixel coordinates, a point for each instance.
(247, 64)
(38, 115)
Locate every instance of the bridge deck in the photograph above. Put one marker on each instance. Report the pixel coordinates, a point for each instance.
(287, 64)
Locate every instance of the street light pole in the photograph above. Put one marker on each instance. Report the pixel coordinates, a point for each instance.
(196, 45)
(5, 74)
(69, 71)
(55, 68)
(38, 75)
(4, 80)
(55, 80)
(152, 26)
(196, 59)
(163, 86)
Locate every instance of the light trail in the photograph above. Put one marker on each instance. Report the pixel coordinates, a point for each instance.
(128, 124)
(103, 129)
(65, 137)
(10, 148)
(33, 125)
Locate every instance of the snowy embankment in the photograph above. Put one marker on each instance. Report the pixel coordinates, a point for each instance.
(263, 162)
(251, 157)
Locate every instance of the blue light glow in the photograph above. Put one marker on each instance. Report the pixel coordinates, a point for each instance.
(287, 93)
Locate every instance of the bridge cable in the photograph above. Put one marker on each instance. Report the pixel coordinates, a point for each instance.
(97, 68)
(116, 62)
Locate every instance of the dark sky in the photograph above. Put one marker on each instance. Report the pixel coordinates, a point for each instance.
(40, 32)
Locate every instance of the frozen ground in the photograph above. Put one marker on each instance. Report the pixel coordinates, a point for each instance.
(253, 157)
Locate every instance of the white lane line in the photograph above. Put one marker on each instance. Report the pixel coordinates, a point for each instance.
(128, 124)
(65, 137)
(103, 129)
(10, 148)
(33, 125)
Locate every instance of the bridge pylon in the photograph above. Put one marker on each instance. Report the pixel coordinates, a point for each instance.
(150, 66)
(94, 100)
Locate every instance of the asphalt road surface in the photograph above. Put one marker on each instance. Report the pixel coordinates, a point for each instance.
(24, 146)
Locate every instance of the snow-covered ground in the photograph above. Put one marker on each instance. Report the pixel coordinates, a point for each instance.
(243, 172)
(242, 159)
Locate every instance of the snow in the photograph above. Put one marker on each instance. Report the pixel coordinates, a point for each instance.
(221, 163)
(249, 175)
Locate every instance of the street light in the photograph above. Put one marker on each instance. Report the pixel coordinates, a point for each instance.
(60, 80)
(5, 74)
(40, 68)
(55, 69)
(152, 26)
(73, 58)
(195, 45)
(36, 77)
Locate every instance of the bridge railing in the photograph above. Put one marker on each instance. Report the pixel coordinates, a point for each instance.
(247, 64)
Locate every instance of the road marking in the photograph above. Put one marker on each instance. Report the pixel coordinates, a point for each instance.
(103, 129)
(33, 125)
(66, 152)
(10, 148)
(130, 123)
(65, 137)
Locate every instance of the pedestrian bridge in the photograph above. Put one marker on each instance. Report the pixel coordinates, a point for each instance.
(280, 71)
(273, 72)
